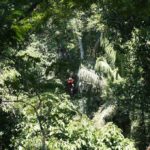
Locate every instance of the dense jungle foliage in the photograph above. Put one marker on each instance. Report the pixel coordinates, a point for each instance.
(104, 45)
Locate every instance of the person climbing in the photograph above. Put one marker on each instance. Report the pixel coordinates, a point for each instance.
(71, 85)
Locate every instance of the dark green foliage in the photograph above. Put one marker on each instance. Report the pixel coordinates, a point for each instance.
(8, 122)
(40, 45)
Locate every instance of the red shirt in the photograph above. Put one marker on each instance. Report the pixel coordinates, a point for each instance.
(70, 82)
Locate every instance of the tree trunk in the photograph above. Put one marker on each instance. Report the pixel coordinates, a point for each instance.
(42, 131)
(81, 48)
(106, 111)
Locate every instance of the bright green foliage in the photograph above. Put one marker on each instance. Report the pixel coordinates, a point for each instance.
(48, 114)
(9, 75)
(64, 128)
(81, 134)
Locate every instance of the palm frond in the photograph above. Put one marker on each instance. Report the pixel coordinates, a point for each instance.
(102, 66)
(89, 77)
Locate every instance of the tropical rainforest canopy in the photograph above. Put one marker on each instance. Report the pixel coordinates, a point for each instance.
(104, 44)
